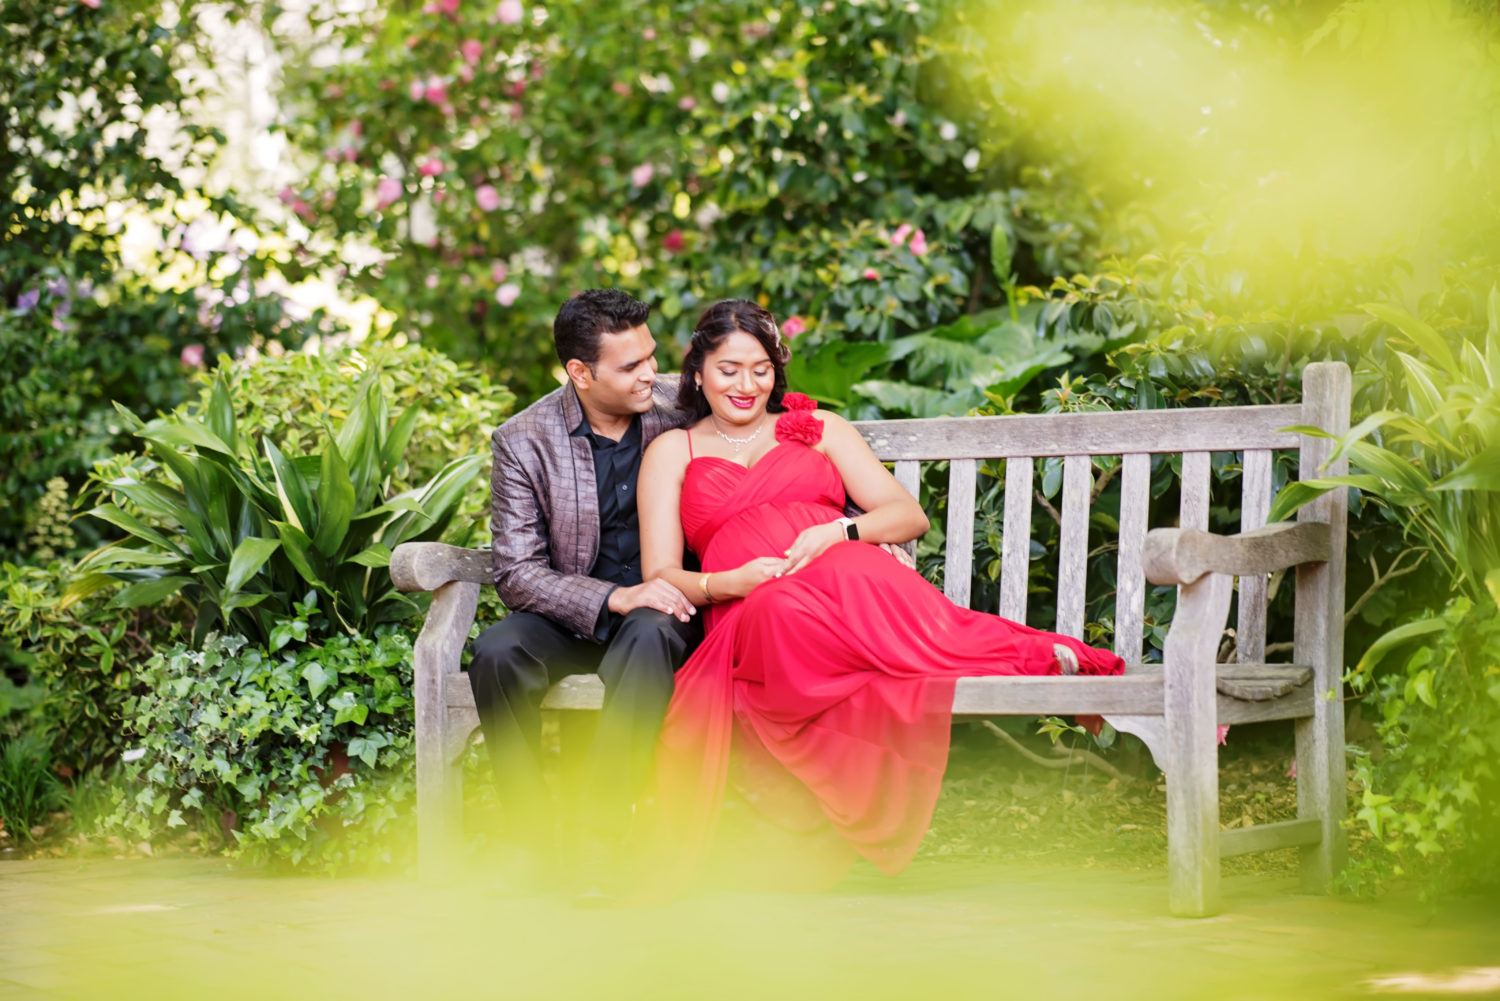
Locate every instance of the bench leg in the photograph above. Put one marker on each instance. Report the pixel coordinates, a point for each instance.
(435, 657)
(1192, 751)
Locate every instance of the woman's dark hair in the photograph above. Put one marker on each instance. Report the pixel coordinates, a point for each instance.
(731, 316)
(588, 316)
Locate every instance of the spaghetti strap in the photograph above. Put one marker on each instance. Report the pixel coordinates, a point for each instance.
(689, 432)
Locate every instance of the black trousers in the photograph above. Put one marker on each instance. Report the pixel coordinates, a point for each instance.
(515, 662)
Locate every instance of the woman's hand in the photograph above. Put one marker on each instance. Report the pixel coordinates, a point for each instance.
(811, 543)
(750, 576)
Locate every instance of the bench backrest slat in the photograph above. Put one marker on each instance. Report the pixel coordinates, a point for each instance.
(959, 545)
(1224, 429)
(1255, 504)
(1015, 542)
(1130, 581)
(1073, 547)
(1197, 468)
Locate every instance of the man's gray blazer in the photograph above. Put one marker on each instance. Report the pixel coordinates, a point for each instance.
(544, 513)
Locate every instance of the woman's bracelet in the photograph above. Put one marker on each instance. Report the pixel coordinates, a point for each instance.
(703, 586)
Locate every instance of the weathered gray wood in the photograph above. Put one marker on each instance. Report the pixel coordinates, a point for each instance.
(1193, 762)
(1255, 504)
(1073, 547)
(435, 657)
(1266, 837)
(1197, 471)
(1262, 682)
(1048, 696)
(1223, 429)
(1318, 634)
(427, 566)
(1015, 542)
(1296, 703)
(1130, 580)
(909, 474)
(958, 546)
(1182, 555)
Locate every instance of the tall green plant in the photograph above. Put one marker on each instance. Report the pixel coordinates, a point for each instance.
(243, 531)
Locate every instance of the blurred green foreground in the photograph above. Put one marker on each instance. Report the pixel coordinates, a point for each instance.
(155, 929)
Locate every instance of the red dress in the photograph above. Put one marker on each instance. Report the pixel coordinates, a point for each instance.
(824, 696)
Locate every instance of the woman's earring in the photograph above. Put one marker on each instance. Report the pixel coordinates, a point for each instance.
(698, 383)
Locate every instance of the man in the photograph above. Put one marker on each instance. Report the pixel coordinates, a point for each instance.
(566, 550)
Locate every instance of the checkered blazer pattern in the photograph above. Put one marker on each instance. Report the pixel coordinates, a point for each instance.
(544, 513)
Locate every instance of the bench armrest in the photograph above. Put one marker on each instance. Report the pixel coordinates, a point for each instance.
(427, 566)
(1182, 555)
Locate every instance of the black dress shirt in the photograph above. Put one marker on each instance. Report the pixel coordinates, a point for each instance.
(616, 466)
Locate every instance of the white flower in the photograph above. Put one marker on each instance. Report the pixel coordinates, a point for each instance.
(949, 131)
(507, 293)
(720, 92)
(697, 49)
(971, 159)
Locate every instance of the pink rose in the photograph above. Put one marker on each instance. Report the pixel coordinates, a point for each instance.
(473, 51)
(649, 34)
(356, 128)
(350, 154)
(688, 103)
(620, 87)
(918, 243)
(431, 167)
(498, 272)
(641, 176)
(439, 196)
(448, 6)
(793, 326)
(192, 354)
(517, 89)
(507, 293)
(1221, 734)
(673, 241)
(431, 281)
(437, 90)
(416, 90)
(466, 74)
(516, 111)
(899, 237)
(487, 198)
(287, 195)
(90, 4)
(510, 11)
(871, 275)
(387, 191)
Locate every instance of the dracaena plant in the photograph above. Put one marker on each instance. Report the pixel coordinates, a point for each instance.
(243, 531)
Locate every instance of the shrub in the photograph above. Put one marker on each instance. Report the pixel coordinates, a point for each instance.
(28, 788)
(308, 748)
(241, 530)
(81, 655)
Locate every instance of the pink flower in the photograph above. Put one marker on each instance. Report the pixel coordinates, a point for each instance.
(673, 241)
(902, 232)
(90, 4)
(641, 176)
(388, 190)
(1291, 772)
(448, 6)
(687, 103)
(516, 111)
(871, 275)
(465, 73)
(333, 92)
(1221, 734)
(487, 198)
(437, 90)
(473, 51)
(620, 87)
(416, 90)
(431, 281)
(439, 196)
(302, 209)
(431, 167)
(918, 243)
(498, 272)
(510, 12)
(793, 326)
(649, 34)
(287, 195)
(356, 128)
(192, 354)
(517, 89)
(350, 154)
(507, 293)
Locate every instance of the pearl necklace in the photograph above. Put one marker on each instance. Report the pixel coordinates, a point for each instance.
(737, 443)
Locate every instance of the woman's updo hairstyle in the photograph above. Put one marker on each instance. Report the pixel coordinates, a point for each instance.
(718, 322)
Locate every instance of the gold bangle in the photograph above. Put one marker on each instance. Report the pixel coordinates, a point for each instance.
(703, 586)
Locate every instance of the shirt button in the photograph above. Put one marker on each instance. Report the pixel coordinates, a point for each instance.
(624, 487)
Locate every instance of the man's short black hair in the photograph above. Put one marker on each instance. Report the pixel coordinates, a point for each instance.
(588, 316)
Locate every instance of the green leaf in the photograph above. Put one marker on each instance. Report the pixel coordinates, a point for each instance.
(179, 433)
(221, 410)
(376, 556)
(149, 592)
(1426, 338)
(1394, 638)
(291, 488)
(133, 525)
(299, 549)
(335, 502)
(395, 443)
(249, 556)
(1000, 254)
(318, 678)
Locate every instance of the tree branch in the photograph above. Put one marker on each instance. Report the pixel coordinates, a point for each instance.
(1066, 756)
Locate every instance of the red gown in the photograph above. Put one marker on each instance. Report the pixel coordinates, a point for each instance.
(825, 697)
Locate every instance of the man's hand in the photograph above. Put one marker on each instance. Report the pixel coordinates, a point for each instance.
(657, 594)
(902, 556)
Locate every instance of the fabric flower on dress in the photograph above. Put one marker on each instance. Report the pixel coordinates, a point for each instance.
(798, 423)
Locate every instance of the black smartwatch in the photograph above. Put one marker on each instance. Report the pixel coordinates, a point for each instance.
(851, 530)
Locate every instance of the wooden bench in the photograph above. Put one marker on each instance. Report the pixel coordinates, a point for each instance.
(1173, 707)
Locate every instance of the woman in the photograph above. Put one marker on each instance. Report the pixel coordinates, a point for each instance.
(827, 666)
